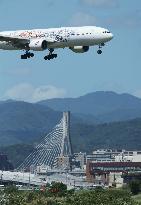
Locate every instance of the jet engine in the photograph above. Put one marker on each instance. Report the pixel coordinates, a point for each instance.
(80, 49)
(38, 45)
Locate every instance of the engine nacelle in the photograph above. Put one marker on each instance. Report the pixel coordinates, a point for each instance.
(38, 45)
(80, 49)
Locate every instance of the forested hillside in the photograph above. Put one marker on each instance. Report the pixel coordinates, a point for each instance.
(22, 122)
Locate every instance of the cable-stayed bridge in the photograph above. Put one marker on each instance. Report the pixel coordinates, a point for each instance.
(56, 144)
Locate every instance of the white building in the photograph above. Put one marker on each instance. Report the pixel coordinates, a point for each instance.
(109, 155)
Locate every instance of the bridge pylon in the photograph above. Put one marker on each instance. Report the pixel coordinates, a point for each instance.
(66, 142)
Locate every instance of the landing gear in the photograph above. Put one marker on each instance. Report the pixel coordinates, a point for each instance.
(100, 47)
(27, 55)
(51, 55)
(102, 44)
(99, 52)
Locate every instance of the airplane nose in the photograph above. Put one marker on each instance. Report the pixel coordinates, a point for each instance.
(111, 36)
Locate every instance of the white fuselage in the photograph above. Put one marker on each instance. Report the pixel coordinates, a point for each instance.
(64, 37)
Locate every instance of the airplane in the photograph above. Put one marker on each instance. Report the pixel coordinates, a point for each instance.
(78, 39)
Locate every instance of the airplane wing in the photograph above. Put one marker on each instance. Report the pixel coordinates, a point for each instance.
(13, 39)
(21, 42)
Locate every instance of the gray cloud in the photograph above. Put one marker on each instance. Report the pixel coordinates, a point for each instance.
(83, 19)
(124, 21)
(102, 3)
(27, 92)
(129, 20)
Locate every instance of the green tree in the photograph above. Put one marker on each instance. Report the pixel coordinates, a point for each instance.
(11, 189)
(109, 197)
(135, 186)
(58, 189)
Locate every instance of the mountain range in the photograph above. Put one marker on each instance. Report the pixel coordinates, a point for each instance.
(22, 120)
(99, 107)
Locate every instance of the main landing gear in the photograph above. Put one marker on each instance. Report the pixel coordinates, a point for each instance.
(27, 55)
(51, 55)
(100, 47)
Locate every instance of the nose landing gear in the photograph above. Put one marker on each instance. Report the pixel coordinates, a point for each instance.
(100, 47)
(99, 51)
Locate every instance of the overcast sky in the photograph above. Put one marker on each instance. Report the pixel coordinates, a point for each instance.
(70, 75)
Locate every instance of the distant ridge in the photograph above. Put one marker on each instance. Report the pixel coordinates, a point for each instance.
(102, 106)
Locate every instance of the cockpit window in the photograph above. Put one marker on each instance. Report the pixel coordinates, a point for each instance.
(106, 32)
